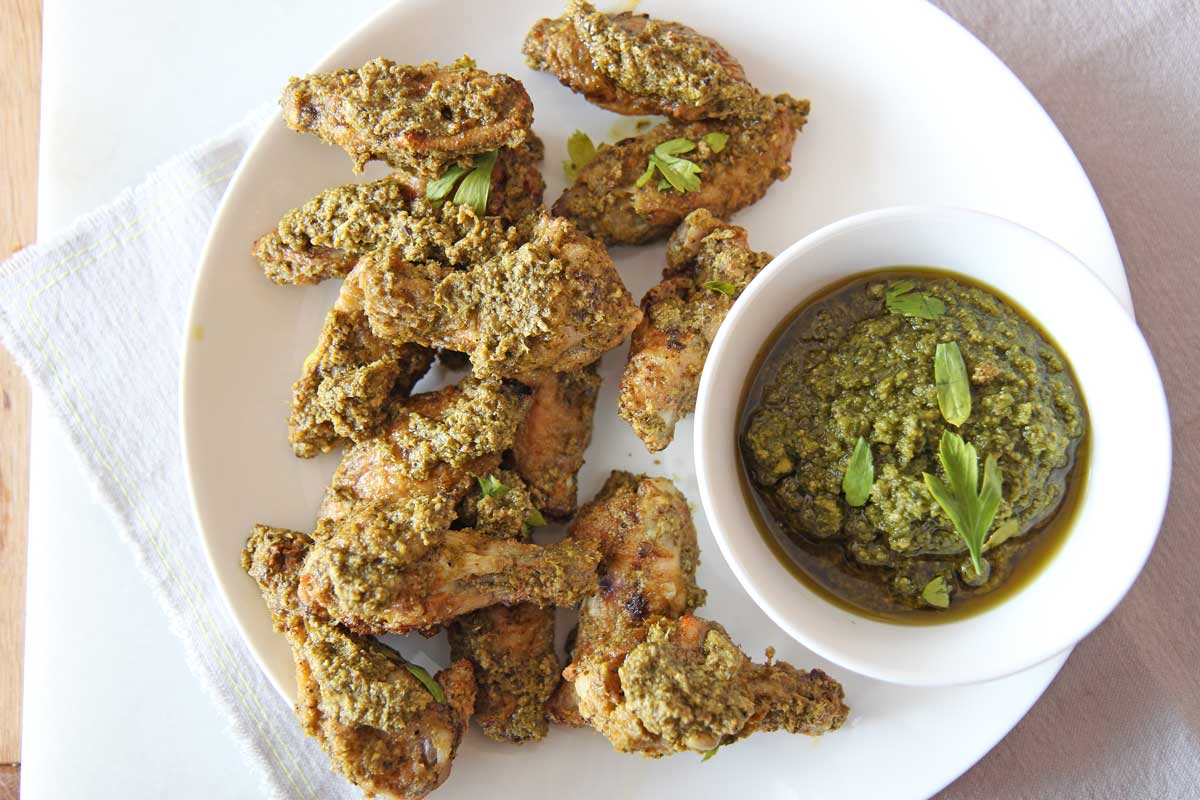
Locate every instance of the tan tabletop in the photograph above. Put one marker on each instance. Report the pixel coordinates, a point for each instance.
(1122, 81)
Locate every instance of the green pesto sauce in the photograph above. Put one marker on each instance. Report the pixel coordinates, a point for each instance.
(841, 366)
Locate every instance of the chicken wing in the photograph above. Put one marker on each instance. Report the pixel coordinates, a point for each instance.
(384, 560)
(553, 303)
(382, 728)
(606, 202)
(416, 118)
(709, 263)
(632, 64)
(325, 237)
(349, 380)
(548, 449)
(644, 672)
(511, 647)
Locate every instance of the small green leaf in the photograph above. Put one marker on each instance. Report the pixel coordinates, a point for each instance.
(860, 474)
(1004, 531)
(970, 506)
(937, 593)
(953, 388)
(673, 147)
(474, 189)
(535, 517)
(581, 152)
(724, 287)
(427, 680)
(716, 140)
(491, 486)
(440, 189)
(922, 304)
(646, 176)
(710, 753)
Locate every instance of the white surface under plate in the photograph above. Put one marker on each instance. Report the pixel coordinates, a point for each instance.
(907, 108)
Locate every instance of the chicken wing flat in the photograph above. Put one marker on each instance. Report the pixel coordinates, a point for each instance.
(631, 64)
(349, 380)
(510, 647)
(644, 672)
(547, 451)
(382, 728)
(413, 117)
(681, 318)
(553, 303)
(606, 202)
(325, 237)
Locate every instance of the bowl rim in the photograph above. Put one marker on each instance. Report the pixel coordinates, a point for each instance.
(704, 439)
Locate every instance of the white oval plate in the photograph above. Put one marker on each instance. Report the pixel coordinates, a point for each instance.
(907, 108)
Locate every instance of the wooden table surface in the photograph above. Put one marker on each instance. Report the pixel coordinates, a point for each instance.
(20, 66)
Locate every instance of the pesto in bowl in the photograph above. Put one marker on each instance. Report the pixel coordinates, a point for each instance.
(858, 362)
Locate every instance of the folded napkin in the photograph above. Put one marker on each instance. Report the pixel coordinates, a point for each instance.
(95, 317)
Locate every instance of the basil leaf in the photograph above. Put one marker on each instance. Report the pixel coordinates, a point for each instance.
(474, 189)
(646, 176)
(953, 389)
(860, 474)
(427, 680)
(535, 517)
(724, 287)
(491, 486)
(441, 188)
(922, 304)
(580, 151)
(677, 173)
(716, 140)
(970, 506)
(936, 593)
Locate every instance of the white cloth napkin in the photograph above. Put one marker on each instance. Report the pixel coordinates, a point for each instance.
(95, 317)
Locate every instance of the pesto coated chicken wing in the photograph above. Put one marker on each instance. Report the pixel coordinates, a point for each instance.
(383, 730)
(709, 263)
(644, 672)
(325, 237)
(605, 200)
(548, 301)
(548, 448)
(384, 560)
(632, 64)
(417, 118)
(349, 380)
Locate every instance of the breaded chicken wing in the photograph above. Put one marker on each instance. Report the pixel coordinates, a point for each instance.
(349, 380)
(709, 263)
(632, 64)
(644, 672)
(416, 118)
(553, 303)
(606, 202)
(382, 728)
(547, 451)
(325, 237)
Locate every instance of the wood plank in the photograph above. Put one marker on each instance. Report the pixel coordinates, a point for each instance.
(20, 64)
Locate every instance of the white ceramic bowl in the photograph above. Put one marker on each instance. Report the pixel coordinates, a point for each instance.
(1129, 467)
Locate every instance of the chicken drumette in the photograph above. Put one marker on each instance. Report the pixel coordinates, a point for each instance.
(382, 728)
(605, 200)
(325, 237)
(416, 118)
(384, 560)
(549, 301)
(709, 263)
(632, 64)
(548, 448)
(644, 672)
